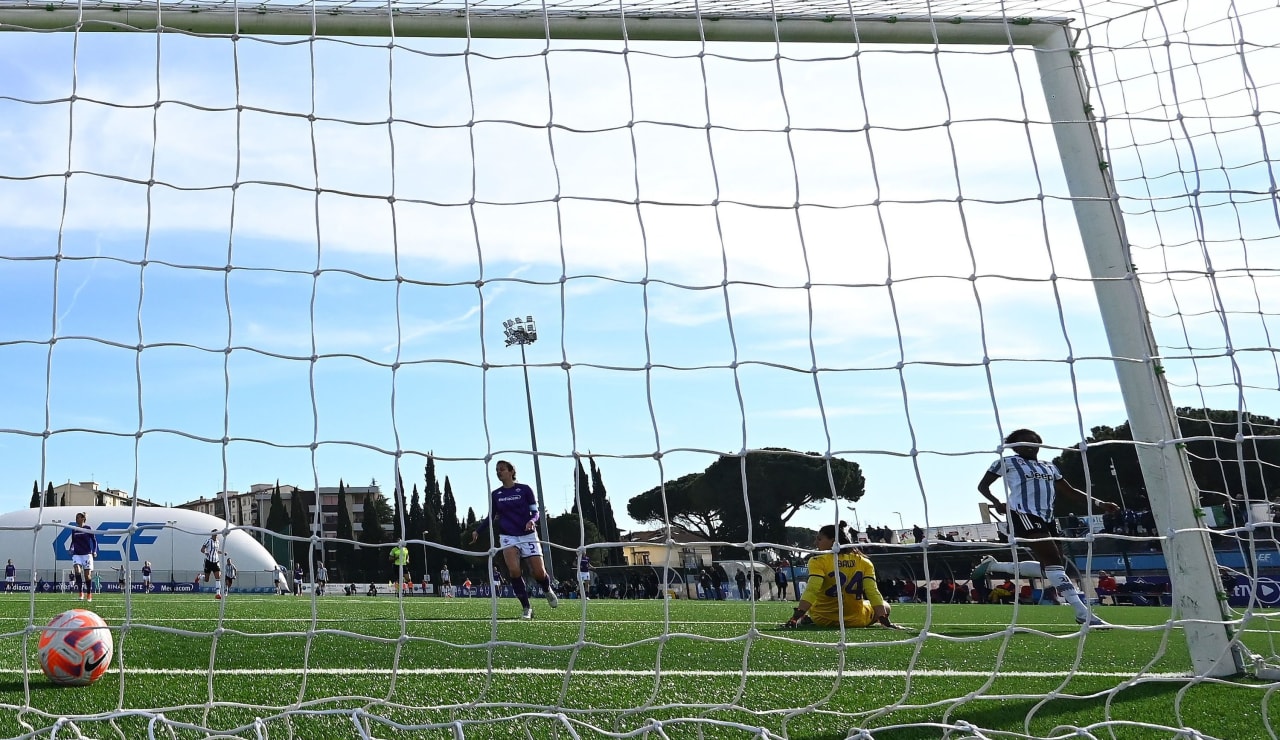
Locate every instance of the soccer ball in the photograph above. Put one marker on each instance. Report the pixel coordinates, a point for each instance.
(75, 649)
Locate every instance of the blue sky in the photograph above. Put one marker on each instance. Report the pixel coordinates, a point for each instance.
(687, 329)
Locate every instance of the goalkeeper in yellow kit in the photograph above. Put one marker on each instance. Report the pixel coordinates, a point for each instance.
(843, 592)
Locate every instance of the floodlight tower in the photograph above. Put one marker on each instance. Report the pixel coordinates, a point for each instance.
(525, 332)
(1116, 477)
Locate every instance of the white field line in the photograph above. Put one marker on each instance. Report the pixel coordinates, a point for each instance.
(628, 673)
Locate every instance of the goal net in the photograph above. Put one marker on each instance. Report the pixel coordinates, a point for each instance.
(744, 243)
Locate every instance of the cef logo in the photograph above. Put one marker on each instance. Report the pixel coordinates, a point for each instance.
(146, 533)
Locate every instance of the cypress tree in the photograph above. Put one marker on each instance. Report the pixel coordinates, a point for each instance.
(278, 523)
(277, 515)
(397, 511)
(300, 528)
(583, 502)
(35, 494)
(417, 562)
(345, 551)
(50, 498)
(371, 535)
(608, 525)
(450, 527)
(432, 510)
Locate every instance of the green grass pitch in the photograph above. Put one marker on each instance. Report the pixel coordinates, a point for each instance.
(353, 667)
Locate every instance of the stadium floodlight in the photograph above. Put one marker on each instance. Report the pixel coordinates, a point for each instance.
(900, 524)
(171, 525)
(1116, 477)
(524, 332)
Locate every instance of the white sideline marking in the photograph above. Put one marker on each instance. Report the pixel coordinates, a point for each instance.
(627, 673)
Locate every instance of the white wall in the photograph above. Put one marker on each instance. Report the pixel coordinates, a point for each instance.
(36, 540)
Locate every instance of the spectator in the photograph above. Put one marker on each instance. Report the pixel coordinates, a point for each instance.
(719, 577)
(917, 532)
(780, 580)
(1106, 586)
(944, 593)
(756, 581)
(1002, 593)
(741, 579)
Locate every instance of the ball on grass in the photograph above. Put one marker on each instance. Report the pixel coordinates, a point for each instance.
(75, 648)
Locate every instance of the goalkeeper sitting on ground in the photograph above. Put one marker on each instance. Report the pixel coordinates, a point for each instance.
(843, 592)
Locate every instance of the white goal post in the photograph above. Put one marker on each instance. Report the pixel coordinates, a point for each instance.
(1198, 598)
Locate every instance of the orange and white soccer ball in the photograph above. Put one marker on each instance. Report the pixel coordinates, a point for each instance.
(75, 649)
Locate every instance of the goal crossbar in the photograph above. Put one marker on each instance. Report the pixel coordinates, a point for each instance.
(563, 24)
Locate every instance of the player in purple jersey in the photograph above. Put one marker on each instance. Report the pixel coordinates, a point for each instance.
(1033, 487)
(513, 511)
(83, 546)
(10, 576)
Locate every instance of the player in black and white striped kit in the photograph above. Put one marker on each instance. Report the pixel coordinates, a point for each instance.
(1033, 486)
(212, 563)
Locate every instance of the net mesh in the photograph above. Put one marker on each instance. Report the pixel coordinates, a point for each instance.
(232, 255)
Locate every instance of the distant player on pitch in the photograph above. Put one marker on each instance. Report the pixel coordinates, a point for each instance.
(83, 547)
(212, 565)
(1033, 485)
(513, 510)
(842, 586)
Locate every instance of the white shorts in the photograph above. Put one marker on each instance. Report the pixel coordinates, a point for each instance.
(10, 579)
(84, 561)
(584, 577)
(527, 544)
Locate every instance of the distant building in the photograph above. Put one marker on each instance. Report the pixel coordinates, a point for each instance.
(251, 509)
(686, 550)
(89, 493)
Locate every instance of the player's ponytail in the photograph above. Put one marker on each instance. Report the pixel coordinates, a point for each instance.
(838, 533)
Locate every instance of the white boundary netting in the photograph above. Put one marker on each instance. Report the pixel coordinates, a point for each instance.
(279, 240)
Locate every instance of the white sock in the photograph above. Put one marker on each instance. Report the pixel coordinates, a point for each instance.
(1057, 576)
(1020, 569)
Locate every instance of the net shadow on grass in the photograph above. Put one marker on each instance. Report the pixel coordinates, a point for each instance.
(1065, 711)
